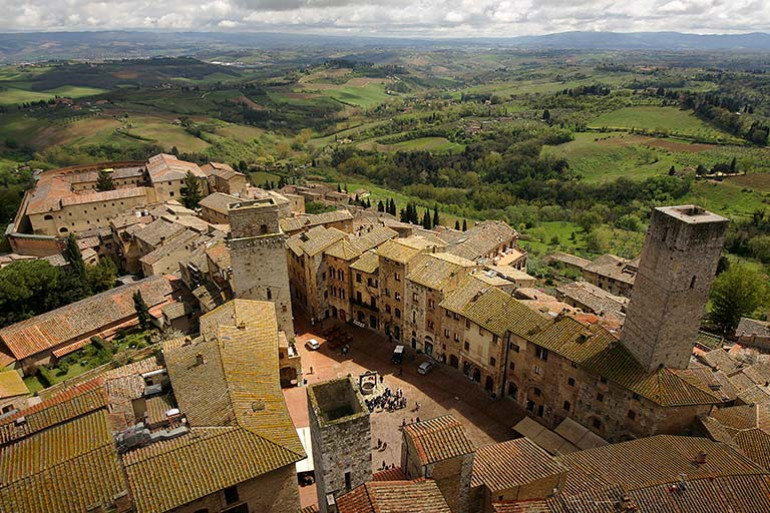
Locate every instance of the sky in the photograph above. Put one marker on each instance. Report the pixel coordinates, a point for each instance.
(423, 18)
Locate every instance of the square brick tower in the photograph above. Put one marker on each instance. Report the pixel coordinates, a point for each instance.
(342, 439)
(258, 257)
(678, 264)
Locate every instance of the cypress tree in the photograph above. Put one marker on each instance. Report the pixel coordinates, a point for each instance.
(435, 216)
(380, 207)
(142, 310)
(465, 226)
(457, 225)
(74, 257)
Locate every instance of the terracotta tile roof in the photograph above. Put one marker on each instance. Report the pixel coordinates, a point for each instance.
(218, 202)
(316, 240)
(438, 439)
(47, 194)
(746, 428)
(368, 263)
(221, 170)
(510, 464)
(71, 322)
(596, 300)
(612, 267)
(417, 496)
(437, 271)
(97, 197)
(234, 405)
(393, 474)
(596, 349)
(219, 253)
(457, 299)
(164, 168)
(69, 467)
(158, 406)
(498, 313)
(353, 246)
(736, 494)
(398, 251)
(68, 404)
(566, 258)
(185, 240)
(532, 506)
(11, 385)
(482, 239)
(752, 327)
(719, 359)
(648, 461)
(158, 232)
(308, 221)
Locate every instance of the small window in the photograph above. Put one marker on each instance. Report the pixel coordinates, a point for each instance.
(537, 392)
(358, 277)
(541, 353)
(571, 382)
(537, 370)
(635, 396)
(48, 217)
(574, 365)
(467, 324)
(397, 276)
(414, 296)
(512, 366)
(348, 483)
(398, 313)
(692, 282)
(632, 414)
(387, 309)
(566, 406)
(171, 193)
(494, 339)
(262, 228)
(600, 397)
(492, 361)
(513, 347)
(603, 380)
(398, 296)
(231, 494)
(446, 333)
(596, 423)
(467, 346)
(269, 294)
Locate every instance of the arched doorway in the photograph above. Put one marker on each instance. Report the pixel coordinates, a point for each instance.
(397, 333)
(489, 384)
(454, 362)
(477, 375)
(429, 346)
(414, 339)
(513, 391)
(288, 374)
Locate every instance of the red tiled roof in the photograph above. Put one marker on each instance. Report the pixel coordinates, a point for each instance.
(438, 439)
(417, 496)
(392, 474)
(72, 322)
(510, 464)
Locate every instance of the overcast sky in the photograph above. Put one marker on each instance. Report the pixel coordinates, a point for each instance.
(440, 18)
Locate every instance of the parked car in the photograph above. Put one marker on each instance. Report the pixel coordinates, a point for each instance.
(425, 367)
(398, 355)
(313, 344)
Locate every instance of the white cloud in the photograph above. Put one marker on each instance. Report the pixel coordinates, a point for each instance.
(391, 17)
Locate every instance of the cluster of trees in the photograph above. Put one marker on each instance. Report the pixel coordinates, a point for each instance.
(721, 167)
(725, 112)
(13, 184)
(410, 215)
(592, 90)
(737, 292)
(751, 238)
(32, 287)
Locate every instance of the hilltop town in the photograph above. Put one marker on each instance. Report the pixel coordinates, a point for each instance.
(254, 357)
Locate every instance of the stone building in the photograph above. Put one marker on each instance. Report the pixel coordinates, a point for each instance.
(395, 257)
(307, 269)
(340, 431)
(611, 273)
(339, 219)
(258, 257)
(223, 178)
(214, 207)
(204, 427)
(429, 278)
(13, 392)
(438, 449)
(338, 259)
(366, 290)
(167, 175)
(677, 267)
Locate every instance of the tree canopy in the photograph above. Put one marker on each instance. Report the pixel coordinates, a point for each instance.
(737, 292)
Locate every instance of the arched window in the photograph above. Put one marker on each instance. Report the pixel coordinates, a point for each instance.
(63, 229)
(48, 217)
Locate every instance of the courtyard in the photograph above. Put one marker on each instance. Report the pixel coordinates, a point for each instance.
(442, 391)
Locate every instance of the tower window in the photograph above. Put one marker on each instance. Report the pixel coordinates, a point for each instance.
(692, 282)
(348, 484)
(269, 294)
(263, 228)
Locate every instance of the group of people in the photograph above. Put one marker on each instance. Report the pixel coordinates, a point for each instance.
(389, 401)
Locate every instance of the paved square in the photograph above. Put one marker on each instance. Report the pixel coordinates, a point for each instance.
(442, 391)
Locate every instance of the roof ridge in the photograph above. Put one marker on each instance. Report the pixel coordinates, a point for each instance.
(193, 431)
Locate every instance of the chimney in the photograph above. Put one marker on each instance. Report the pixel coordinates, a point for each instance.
(700, 458)
(199, 359)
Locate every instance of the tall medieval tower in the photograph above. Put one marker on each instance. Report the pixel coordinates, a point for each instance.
(341, 436)
(258, 257)
(677, 267)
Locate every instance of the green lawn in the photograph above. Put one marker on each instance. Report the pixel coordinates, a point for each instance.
(166, 134)
(12, 95)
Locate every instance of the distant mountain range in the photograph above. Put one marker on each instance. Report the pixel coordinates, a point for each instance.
(37, 46)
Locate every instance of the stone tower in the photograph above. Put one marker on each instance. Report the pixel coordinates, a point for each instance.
(342, 439)
(678, 264)
(258, 257)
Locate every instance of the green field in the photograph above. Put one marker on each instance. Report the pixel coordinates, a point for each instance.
(659, 119)
(366, 96)
(10, 95)
(424, 144)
